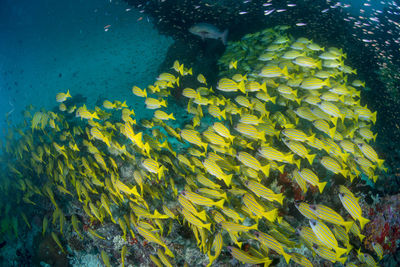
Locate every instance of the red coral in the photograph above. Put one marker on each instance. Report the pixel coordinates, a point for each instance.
(384, 227)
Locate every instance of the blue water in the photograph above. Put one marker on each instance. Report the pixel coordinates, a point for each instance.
(50, 46)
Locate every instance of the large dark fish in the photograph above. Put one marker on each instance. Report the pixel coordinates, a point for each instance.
(205, 30)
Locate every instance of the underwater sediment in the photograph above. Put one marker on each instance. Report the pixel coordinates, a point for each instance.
(261, 168)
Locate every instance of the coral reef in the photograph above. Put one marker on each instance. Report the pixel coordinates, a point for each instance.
(384, 227)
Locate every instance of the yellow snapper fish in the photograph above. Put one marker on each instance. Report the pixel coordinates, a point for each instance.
(328, 254)
(264, 192)
(271, 243)
(297, 135)
(187, 205)
(139, 92)
(258, 210)
(312, 178)
(152, 237)
(250, 161)
(378, 249)
(307, 62)
(273, 71)
(350, 203)
(326, 236)
(152, 103)
(213, 168)
(61, 97)
(193, 137)
(83, 113)
(228, 85)
(162, 115)
(370, 153)
(201, 79)
(329, 215)
(235, 227)
(163, 258)
(244, 257)
(233, 64)
(202, 201)
(333, 165)
(194, 220)
(221, 129)
(216, 247)
(312, 83)
(305, 209)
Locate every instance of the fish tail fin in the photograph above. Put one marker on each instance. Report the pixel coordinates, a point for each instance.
(380, 162)
(208, 226)
(264, 87)
(298, 162)
(327, 82)
(163, 103)
(311, 138)
(169, 252)
(289, 158)
(285, 71)
(340, 251)
(347, 225)
(94, 115)
(223, 114)
(373, 117)
(228, 179)
(69, 95)
(332, 131)
(342, 260)
(281, 168)
(271, 215)
(224, 36)
(241, 87)
(220, 204)
(344, 172)
(319, 64)
(363, 221)
(349, 248)
(265, 170)
(204, 145)
(334, 120)
(310, 158)
(321, 186)
(286, 256)
(279, 198)
(202, 215)
(361, 236)
(254, 226)
(177, 81)
(374, 136)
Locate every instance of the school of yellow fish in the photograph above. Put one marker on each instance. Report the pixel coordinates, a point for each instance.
(282, 105)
